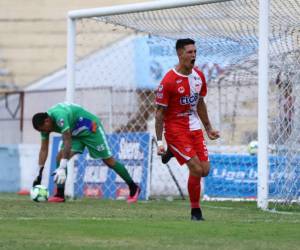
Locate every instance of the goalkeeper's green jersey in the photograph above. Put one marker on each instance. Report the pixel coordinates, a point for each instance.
(73, 117)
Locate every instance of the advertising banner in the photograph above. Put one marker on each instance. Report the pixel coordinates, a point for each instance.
(93, 178)
(235, 176)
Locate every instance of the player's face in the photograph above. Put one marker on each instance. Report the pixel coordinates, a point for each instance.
(47, 126)
(188, 56)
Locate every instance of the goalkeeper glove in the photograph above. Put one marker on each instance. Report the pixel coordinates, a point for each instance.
(38, 179)
(60, 174)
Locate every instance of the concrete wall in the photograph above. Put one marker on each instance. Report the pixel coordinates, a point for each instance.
(33, 36)
(9, 168)
(19, 167)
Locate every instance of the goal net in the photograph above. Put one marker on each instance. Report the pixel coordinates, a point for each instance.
(122, 54)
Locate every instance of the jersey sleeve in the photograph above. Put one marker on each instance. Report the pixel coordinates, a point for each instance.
(203, 90)
(162, 92)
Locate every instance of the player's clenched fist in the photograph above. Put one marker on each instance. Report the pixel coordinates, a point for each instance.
(213, 134)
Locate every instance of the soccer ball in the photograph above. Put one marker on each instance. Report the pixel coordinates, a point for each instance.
(252, 147)
(39, 193)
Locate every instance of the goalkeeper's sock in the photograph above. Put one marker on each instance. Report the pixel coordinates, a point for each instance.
(194, 188)
(60, 192)
(123, 173)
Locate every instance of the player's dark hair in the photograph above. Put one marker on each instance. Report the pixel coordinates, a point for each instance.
(38, 120)
(180, 43)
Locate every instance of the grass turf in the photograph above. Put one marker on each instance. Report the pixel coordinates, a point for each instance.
(105, 224)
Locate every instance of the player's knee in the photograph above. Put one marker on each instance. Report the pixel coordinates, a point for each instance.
(202, 171)
(110, 162)
(205, 169)
(195, 167)
(197, 171)
(205, 173)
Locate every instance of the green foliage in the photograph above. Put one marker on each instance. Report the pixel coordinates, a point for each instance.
(105, 224)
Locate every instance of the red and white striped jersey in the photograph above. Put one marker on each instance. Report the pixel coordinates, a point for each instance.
(180, 95)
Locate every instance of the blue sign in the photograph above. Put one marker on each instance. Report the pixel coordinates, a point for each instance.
(94, 178)
(235, 176)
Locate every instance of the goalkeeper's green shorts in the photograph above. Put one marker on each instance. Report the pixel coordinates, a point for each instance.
(95, 142)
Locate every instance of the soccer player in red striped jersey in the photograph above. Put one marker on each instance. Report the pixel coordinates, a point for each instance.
(180, 111)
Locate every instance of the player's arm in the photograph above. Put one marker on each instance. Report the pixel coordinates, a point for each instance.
(203, 115)
(67, 140)
(162, 101)
(43, 154)
(60, 174)
(159, 126)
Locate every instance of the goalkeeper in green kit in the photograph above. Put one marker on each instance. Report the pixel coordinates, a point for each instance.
(79, 129)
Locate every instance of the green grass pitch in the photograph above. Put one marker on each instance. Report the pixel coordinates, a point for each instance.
(105, 224)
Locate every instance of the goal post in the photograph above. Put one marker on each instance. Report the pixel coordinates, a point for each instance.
(263, 140)
(74, 16)
(249, 53)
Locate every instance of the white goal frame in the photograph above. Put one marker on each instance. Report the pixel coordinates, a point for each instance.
(263, 168)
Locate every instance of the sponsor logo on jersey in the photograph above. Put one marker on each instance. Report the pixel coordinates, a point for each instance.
(185, 100)
(178, 80)
(181, 90)
(60, 122)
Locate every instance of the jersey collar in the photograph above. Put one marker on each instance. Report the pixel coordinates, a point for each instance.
(177, 73)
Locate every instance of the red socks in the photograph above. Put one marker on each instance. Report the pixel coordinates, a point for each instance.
(194, 188)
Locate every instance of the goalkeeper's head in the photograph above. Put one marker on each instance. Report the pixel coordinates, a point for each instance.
(42, 122)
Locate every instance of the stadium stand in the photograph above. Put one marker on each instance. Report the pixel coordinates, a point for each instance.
(33, 36)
